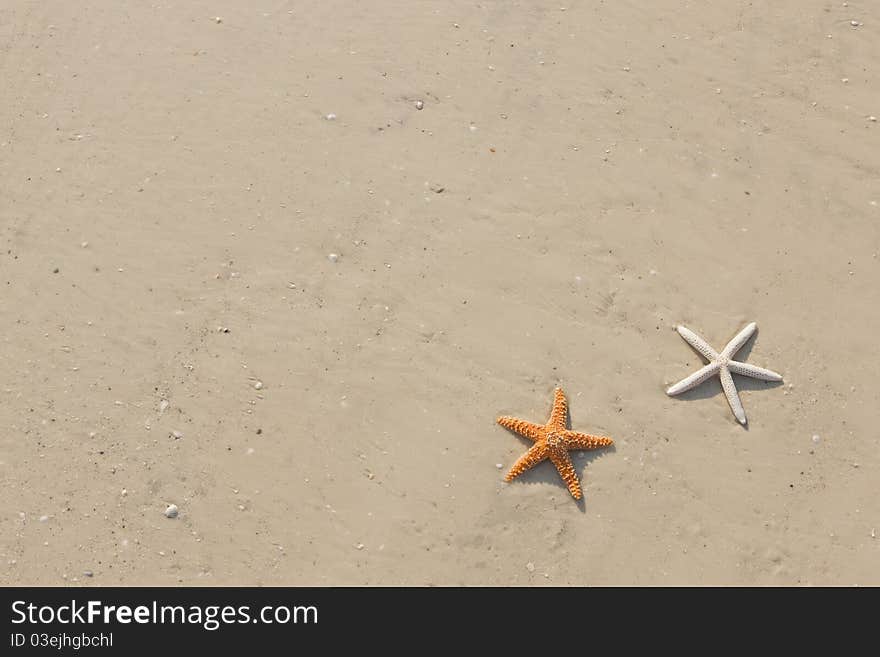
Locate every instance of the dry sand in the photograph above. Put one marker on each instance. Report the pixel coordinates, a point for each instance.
(579, 181)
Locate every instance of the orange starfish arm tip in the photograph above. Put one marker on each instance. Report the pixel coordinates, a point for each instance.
(535, 455)
(523, 428)
(563, 463)
(578, 440)
(560, 410)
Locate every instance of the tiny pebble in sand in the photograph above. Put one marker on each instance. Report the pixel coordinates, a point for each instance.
(171, 511)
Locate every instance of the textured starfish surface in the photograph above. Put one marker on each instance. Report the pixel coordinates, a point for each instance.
(722, 364)
(552, 441)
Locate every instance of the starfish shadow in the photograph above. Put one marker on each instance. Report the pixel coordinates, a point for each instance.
(580, 463)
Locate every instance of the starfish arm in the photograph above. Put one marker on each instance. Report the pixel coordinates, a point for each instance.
(530, 430)
(694, 379)
(697, 343)
(732, 395)
(753, 371)
(578, 440)
(741, 338)
(560, 409)
(563, 463)
(535, 455)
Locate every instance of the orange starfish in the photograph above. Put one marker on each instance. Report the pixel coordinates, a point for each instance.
(552, 441)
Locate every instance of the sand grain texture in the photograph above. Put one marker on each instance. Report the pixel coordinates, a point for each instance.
(577, 183)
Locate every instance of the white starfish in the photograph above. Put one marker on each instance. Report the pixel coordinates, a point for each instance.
(722, 364)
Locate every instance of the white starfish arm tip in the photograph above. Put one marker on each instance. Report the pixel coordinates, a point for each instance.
(747, 369)
(732, 396)
(739, 340)
(694, 379)
(698, 343)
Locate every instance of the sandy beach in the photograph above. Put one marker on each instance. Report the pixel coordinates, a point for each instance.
(283, 264)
